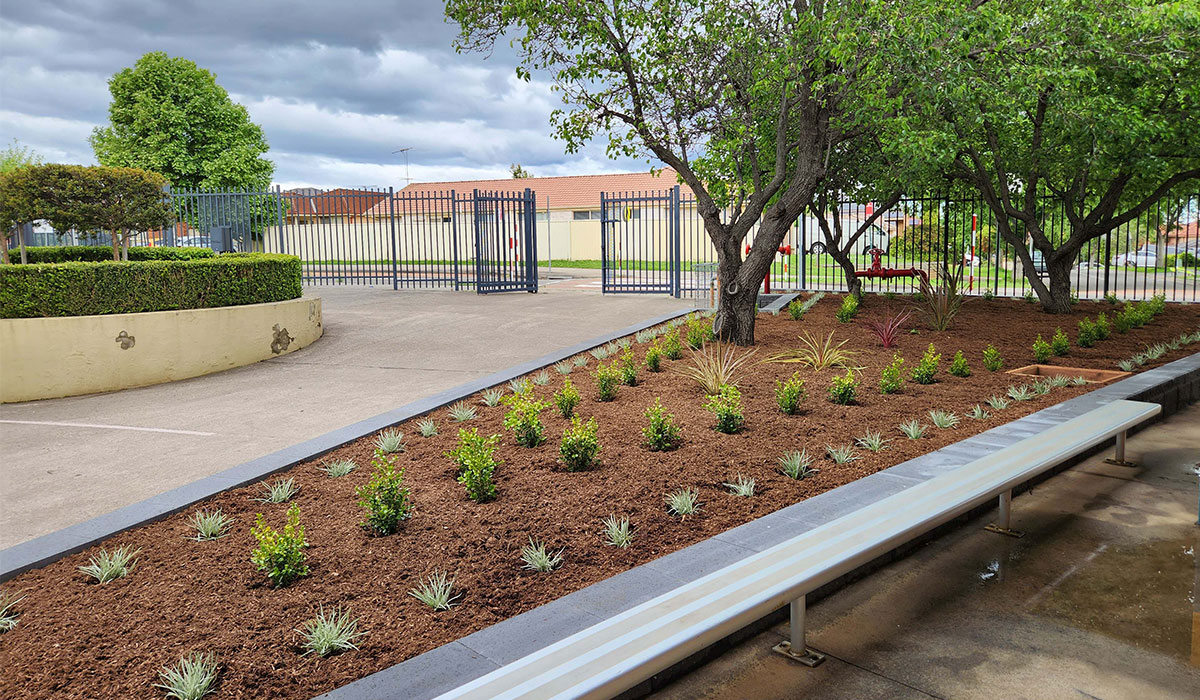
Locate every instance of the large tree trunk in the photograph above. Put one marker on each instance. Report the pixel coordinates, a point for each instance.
(737, 306)
(853, 283)
(1057, 298)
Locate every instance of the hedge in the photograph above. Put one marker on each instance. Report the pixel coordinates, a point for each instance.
(92, 288)
(103, 253)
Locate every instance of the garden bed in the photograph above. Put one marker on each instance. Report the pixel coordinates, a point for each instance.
(75, 638)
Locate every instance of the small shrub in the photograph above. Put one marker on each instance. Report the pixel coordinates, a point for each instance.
(390, 441)
(427, 427)
(992, 361)
(872, 441)
(716, 366)
(384, 497)
(210, 524)
(790, 394)
(628, 369)
(1103, 330)
(654, 357)
(1041, 349)
(538, 558)
(672, 348)
(566, 399)
(579, 361)
(492, 397)
(958, 366)
(741, 486)
(330, 632)
(1029, 298)
(608, 381)
(524, 419)
(191, 679)
(848, 310)
(280, 553)
(564, 367)
(726, 405)
(661, 434)
(912, 429)
(105, 566)
(683, 502)
(1060, 343)
(1112, 299)
(815, 353)
(796, 464)
(1122, 321)
(891, 379)
(336, 468)
(988, 295)
(437, 591)
(844, 390)
(475, 458)
(840, 454)
(926, 370)
(579, 445)
(699, 332)
(278, 491)
(943, 419)
(1088, 335)
(461, 412)
(541, 378)
(796, 309)
(520, 386)
(617, 532)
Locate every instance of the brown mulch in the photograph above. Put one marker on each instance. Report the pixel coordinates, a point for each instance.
(77, 639)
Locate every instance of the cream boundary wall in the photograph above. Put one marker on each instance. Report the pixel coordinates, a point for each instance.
(43, 358)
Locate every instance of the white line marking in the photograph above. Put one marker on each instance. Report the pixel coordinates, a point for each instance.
(110, 427)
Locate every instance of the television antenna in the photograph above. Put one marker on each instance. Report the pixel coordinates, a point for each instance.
(405, 150)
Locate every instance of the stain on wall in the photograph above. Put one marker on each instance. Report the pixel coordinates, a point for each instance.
(125, 340)
(281, 340)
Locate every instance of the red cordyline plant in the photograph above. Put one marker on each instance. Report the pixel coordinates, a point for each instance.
(889, 328)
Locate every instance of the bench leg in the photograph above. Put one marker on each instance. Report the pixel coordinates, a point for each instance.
(1004, 519)
(1118, 457)
(795, 648)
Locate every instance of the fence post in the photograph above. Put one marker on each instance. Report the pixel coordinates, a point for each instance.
(946, 231)
(676, 256)
(603, 243)
(478, 252)
(454, 238)
(392, 223)
(531, 251)
(1107, 258)
(279, 216)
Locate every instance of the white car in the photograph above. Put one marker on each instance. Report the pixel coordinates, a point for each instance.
(1145, 257)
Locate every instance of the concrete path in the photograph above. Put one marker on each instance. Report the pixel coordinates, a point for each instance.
(63, 461)
(1097, 601)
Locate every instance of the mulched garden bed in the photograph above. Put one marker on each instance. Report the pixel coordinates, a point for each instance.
(80, 639)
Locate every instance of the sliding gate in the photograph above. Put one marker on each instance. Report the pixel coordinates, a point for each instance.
(639, 242)
(505, 241)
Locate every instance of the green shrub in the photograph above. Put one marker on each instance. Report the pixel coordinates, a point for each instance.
(1103, 330)
(280, 552)
(566, 399)
(474, 456)
(843, 390)
(384, 497)
(796, 309)
(726, 405)
(848, 309)
(1060, 343)
(927, 367)
(1122, 321)
(524, 419)
(579, 445)
(103, 253)
(1155, 305)
(608, 380)
(628, 368)
(1087, 333)
(1111, 299)
(94, 288)
(959, 366)
(992, 361)
(672, 348)
(891, 379)
(654, 356)
(790, 394)
(661, 434)
(1041, 349)
(699, 331)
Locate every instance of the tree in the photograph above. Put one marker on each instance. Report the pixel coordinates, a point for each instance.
(747, 101)
(519, 172)
(171, 117)
(13, 157)
(1081, 105)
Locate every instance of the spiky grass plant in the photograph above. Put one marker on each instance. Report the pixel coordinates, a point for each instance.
(644, 336)
(601, 353)
(943, 419)
(912, 429)
(623, 343)
(977, 412)
(519, 385)
(8, 611)
(278, 491)
(579, 361)
(427, 427)
(816, 353)
(461, 412)
(1059, 381)
(338, 467)
(683, 502)
(872, 441)
(1020, 393)
(105, 566)
(210, 524)
(436, 591)
(538, 558)
(563, 367)
(941, 302)
(796, 464)
(330, 632)
(617, 531)
(741, 486)
(841, 454)
(390, 441)
(1078, 381)
(541, 378)
(191, 679)
(716, 365)
(492, 397)
(1041, 387)
(998, 403)
(889, 328)
(612, 349)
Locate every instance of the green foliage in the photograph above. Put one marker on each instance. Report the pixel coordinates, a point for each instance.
(14, 156)
(389, 441)
(88, 289)
(384, 497)
(100, 253)
(654, 356)
(795, 309)
(492, 397)
(715, 366)
(1103, 329)
(278, 491)
(105, 566)
(927, 368)
(790, 394)
(280, 553)
(608, 381)
(891, 379)
(912, 429)
(617, 532)
(427, 427)
(841, 454)
(726, 405)
(699, 331)
(672, 348)
(8, 612)
(461, 412)
(978, 413)
(475, 458)
(541, 378)
(563, 367)
(742, 486)
(520, 385)
(524, 419)
(958, 366)
(437, 591)
(992, 361)
(580, 445)
(538, 558)
(844, 390)
(330, 632)
(628, 368)
(338, 467)
(210, 524)
(848, 310)
(1041, 349)
(872, 441)
(816, 353)
(170, 116)
(566, 399)
(683, 502)
(997, 402)
(943, 419)
(1088, 335)
(191, 679)
(661, 433)
(1060, 344)
(796, 464)
(941, 303)
(1021, 393)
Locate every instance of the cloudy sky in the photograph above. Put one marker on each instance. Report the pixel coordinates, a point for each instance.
(337, 86)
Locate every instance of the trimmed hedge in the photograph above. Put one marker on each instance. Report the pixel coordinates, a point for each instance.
(103, 253)
(93, 288)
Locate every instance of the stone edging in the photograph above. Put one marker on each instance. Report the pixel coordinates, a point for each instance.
(53, 546)
(428, 675)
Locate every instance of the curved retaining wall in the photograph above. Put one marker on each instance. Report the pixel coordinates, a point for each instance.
(66, 356)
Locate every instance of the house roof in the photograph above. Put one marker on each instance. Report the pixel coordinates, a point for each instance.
(336, 202)
(1185, 231)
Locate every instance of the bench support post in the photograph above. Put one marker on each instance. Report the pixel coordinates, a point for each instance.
(1118, 457)
(1004, 519)
(795, 648)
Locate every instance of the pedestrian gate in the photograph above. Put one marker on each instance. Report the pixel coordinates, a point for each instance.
(639, 242)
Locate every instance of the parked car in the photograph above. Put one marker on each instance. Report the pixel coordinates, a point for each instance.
(1143, 257)
(1039, 262)
(193, 242)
